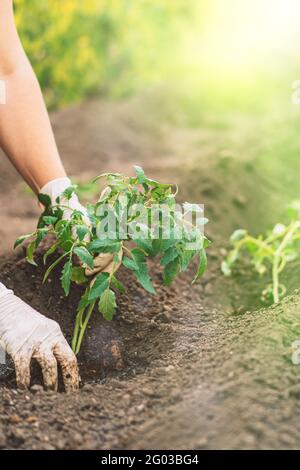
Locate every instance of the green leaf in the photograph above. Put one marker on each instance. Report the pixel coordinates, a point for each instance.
(106, 175)
(63, 231)
(225, 268)
(104, 246)
(202, 265)
(156, 246)
(81, 231)
(140, 269)
(206, 242)
(49, 219)
(171, 271)
(30, 253)
(107, 304)
(44, 199)
(40, 235)
(78, 275)
(140, 174)
(117, 182)
(68, 192)
(84, 301)
(50, 251)
(20, 240)
(145, 245)
(169, 255)
(238, 235)
(66, 277)
(139, 257)
(145, 280)
(56, 262)
(61, 225)
(232, 257)
(101, 283)
(116, 258)
(85, 256)
(185, 258)
(77, 216)
(118, 284)
(157, 184)
(168, 243)
(130, 264)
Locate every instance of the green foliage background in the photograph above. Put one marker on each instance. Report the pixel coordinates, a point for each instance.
(220, 54)
(79, 48)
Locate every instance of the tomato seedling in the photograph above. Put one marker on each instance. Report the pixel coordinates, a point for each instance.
(134, 209)
(268, 254)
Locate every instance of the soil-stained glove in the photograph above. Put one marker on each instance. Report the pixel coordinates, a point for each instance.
(105, 262)
(25, 334)
(55, 188)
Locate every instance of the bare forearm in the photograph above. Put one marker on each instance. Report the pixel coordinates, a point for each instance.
(25, 131)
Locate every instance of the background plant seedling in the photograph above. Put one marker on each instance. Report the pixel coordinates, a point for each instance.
(270, 253)
(75, 240)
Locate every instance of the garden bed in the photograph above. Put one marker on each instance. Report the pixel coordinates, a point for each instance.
(200, 366)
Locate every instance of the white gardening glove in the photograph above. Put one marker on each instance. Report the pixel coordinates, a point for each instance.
(25, 334)
(54, 189)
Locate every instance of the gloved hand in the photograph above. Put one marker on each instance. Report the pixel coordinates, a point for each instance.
(26, 334)
(55, 188)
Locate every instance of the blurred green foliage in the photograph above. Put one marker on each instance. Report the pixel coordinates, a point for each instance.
(213, 55)
(79, 48)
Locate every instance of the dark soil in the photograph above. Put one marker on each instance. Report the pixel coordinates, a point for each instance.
(196, 367)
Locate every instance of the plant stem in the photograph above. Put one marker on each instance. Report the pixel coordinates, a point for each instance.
(83, 328)
(126, 249)
(275, 276)
(53, 265)
(262, 244)
(76, 329)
